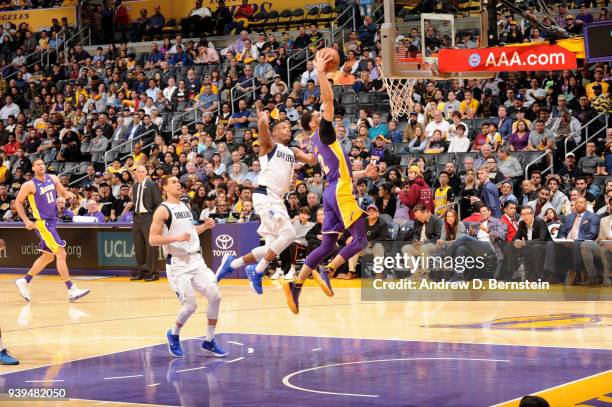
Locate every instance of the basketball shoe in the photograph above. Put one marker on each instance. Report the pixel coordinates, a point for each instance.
(24, 288)
(76, 293)
(321, 276)
(213, 349)
(174, 344)
(254, 278)
(225, 268)
(293, 295)
(7, 359)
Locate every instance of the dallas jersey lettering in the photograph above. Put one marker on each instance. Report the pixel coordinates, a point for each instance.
(277, 170)
(180, 220)
(43, 200)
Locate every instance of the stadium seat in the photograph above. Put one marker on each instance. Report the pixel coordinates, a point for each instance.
(297, 17)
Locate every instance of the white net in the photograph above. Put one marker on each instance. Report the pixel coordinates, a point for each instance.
(400, 95)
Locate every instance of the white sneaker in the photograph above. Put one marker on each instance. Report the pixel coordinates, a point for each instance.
(24, 288)
(75, 293)
(277, 274)
(290, 274)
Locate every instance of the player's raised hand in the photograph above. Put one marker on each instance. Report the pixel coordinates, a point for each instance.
(321, 59)
(371, 170)
(183, 237)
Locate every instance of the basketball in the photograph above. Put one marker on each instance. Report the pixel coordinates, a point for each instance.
(332, 66)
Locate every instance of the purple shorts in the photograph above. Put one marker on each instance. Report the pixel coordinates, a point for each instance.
(50, 241)
(340, 208)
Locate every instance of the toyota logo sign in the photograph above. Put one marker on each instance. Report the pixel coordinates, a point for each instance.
(224, 242)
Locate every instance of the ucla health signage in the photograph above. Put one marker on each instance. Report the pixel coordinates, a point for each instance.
(111, 246)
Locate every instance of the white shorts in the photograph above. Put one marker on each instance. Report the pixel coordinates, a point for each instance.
(272, 212)
(189, 274)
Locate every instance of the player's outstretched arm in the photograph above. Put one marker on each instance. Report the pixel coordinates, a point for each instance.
(60, 188)
(266, 143)
(155, 233)
(327, 95)
(370, 171)
(26, 189)
(306, 158)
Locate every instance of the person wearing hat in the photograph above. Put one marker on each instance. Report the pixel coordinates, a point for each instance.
(377, 232)
(601, 101)
(419, 192)
(598, 75)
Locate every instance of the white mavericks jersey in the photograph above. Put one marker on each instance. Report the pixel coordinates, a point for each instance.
(180, 221)
(277, 170)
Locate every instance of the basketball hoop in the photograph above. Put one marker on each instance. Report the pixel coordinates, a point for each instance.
(400, 95)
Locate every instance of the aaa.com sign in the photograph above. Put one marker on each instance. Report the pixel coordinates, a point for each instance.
(503, 59)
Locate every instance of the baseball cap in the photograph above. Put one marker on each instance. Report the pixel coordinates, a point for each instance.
(372, 206)
(185, 198)
(413, 114)
(570, 155)
(256, 143)
(519, 96)
(98, 174)
(381, 137)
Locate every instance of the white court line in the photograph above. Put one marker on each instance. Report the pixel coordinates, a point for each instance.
(316, 349)
(122, 377)
(235, 360)
(250, 350)
(154, 385)
(287, 383)
(43, 381)
(189, 370)
(556, 387)
(102, 403)
(236, 343)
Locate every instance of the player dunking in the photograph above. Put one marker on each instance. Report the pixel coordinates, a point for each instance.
(5, 356)
(277, 161)
(187, 273)
(41, 193)
(340, 208)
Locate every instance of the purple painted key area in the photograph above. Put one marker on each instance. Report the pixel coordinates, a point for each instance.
(367, 372)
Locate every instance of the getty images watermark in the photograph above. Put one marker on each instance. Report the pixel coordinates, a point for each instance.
(406, 278)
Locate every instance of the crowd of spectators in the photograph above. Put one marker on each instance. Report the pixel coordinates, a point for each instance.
(94, 117)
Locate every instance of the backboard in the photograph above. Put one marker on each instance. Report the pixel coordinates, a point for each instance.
(411, 42)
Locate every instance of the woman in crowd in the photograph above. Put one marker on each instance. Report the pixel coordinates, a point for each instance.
(419, 141)
(520, 139)
(469, 193)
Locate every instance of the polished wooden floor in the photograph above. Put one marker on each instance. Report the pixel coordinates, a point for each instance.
(120, 315)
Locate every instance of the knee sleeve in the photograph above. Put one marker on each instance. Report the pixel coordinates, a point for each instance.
(285, 237)
(189, 307)
(360, 240)
(328, 244)
(213, 295)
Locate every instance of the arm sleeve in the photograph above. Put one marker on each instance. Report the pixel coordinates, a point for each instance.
(327, 132)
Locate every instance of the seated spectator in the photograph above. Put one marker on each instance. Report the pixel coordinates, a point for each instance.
(426, 233)
(579, 226)
(198, 21)
(377, 232)
(436, 144)
(443, 195)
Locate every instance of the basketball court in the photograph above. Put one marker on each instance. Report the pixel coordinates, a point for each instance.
(110, 349)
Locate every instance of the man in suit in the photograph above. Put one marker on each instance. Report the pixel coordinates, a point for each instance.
(427, 231)
(146, 197)
(135, 129)
(509, 219)
(528, 243)
(119, 135)
(601, 248)
(579, 226)
(151, 131)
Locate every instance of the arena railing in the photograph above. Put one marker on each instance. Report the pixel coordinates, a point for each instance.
(234, 90)
(304, 53)
(192, 110)
(339, 25)
(42, 57)
(119, 147)
(586, 128)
